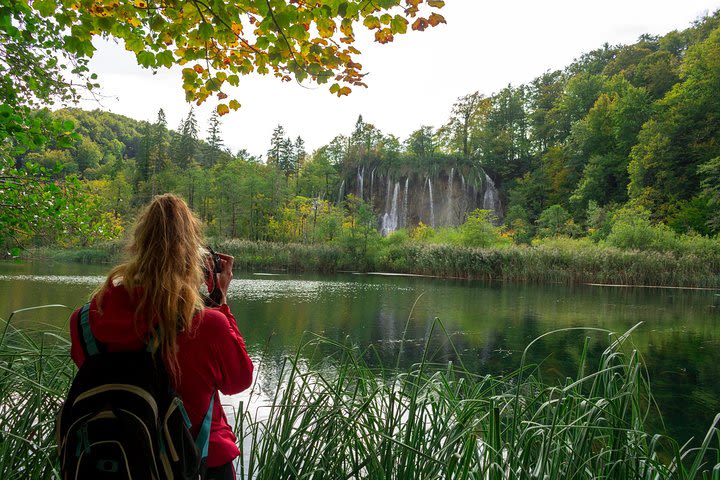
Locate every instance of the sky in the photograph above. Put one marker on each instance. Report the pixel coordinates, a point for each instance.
(412, 81)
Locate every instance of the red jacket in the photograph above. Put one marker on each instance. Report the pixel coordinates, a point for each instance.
(211, 357)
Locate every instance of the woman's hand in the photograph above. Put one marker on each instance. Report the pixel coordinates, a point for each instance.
(225, 276)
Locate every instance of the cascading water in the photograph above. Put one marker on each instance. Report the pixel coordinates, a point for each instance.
(361, 178)
(405, 202)
(390, 219)
(432, 204)
(387, 196)
(341, 192)
(491, 199)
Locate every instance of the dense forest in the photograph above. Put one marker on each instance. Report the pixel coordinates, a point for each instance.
(626, 135)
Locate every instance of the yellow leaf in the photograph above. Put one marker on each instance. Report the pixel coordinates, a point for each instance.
(222, 109)
(384, 36)
(234, 104)
(371, 22)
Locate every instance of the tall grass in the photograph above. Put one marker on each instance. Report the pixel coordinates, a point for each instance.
(442, 421)
(107, 252)
(35, 374)
(337, 414)
(556, 260)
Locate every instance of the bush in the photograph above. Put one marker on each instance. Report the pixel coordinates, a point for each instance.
(478, 230)
(555, 220)
(632, 229)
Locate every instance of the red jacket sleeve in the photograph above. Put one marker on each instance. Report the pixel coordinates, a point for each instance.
(233, 372)
(76, 351)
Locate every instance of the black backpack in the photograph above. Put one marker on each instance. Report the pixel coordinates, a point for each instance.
(122, 419)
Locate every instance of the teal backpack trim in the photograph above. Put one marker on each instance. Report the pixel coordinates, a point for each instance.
(90, 344)
(202, 442)
(203, 439)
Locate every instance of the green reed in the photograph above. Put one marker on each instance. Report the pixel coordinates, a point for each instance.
(336, 413)
(35, 374)
(559, 260)
(442, 421)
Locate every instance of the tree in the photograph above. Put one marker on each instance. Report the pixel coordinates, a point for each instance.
(281, 153)
(505, 143)
(214, 140)
(365, 143)
(45, 47)
(683, 135)
(219, 41)
(421, 142)
(186, 145)
(299, 152)
(710, 173)
(467, 114)
(554, 220)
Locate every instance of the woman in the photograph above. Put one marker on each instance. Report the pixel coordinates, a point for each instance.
(155, 295)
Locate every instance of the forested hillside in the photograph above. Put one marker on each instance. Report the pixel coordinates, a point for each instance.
(625, 135)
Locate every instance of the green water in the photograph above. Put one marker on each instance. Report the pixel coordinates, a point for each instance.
(489, 325)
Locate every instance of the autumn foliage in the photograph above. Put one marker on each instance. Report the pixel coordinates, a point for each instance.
(220, 41)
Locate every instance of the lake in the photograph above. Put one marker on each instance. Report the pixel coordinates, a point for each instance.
(488, 325)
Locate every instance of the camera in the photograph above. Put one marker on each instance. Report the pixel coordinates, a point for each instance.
(213, 298)
(216, 262)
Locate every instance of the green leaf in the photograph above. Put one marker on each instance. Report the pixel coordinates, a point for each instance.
(262, 43)
(45, 7)
(206, 31)
(398, 24)
(146, 59)
(166, 58)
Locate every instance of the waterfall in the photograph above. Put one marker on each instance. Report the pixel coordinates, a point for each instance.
(341, 192)
(390, 219)
(491, 200)
(361, 178)
(432, 205)
(405, 202)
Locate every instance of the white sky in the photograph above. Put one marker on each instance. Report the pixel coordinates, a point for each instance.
(412, 81)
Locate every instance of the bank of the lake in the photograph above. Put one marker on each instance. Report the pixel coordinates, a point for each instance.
(331, 415)
(561, 261)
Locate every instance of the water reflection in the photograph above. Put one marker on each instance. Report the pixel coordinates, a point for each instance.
(484, 326)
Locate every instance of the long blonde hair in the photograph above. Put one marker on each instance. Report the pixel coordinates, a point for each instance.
(163, 272)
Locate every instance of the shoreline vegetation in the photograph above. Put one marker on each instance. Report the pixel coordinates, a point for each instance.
(333, 413)
(558, 260)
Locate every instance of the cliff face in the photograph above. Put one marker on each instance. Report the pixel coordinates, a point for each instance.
(439, 200)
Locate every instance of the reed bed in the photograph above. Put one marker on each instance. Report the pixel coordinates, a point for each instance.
(336, 414)
(35, 375)
(562, 261)
(444, 422)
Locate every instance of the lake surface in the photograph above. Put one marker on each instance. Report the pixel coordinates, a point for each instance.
(488, 324)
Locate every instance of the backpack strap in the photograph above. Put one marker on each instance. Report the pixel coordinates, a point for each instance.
(88, 341)
(203, 439)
